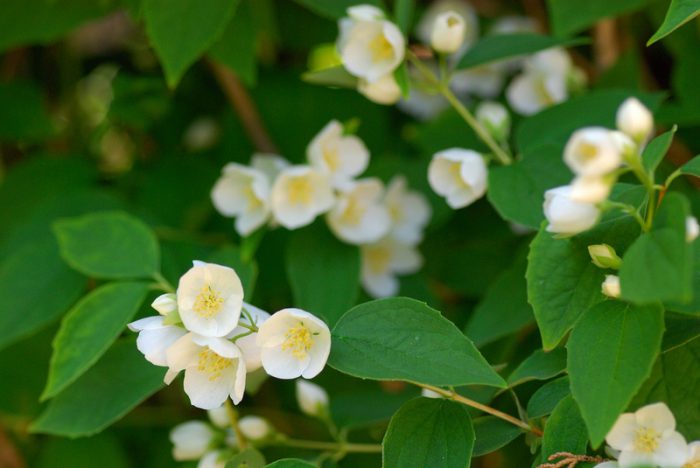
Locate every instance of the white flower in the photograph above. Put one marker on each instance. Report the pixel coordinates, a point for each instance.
(592, 152)
(611, 286)
(343, 157)
(219, 417)
(648, 436)
(165, 303)
(409, 211)
(590, 189)
(243, 192)
(485, 81)
(155, 338)
(359, 217)
(692, 228)
(607, 464)
(370, 47)
(365, 12)
(214, 369)
(269, 164)
(693, 460)
(294, 343)
(513, 25)
(427, 393)
(299, 194)
(191, 440)
(385, 90)
(530, 92)
(382, 261)
(209, 299)
(551, 61)
(565, 215)
(634, 119)
(312, 398)
(448, 32)
(213, 459)
(254, 427)
(248, 344)
(459, 175)
(604, 256)
(425, 27)
(495, 118)
(202, 134)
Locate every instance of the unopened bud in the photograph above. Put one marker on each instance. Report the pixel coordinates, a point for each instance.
(255, 428)
(448, 32)
(611, 286)
(604, 256)
(692, 228)
(385, 90)
(634, 119)
(312, 399)
(165, 303)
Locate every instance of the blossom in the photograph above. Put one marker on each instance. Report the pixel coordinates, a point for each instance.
(459, 175)
(191, 440)
(312, 398)
(427, 393)
(248, 344)
(611, 286)
(567, 216)
(604, 256)
(165, 303)
(202, 134)
(592, 152)
(294, 343)
(542, 83)
(384, 90)
(409, 211)
(635, 120)
(209, 299)
(341, 156)
(495, 118)
(213, 459)
(591, 189)
(693, 460)
(254, 427)
(219, 416)
(692, 228)
(155, 338)
(648, 436)
(299, 194)
(426, 25)
(370, 47)
(448, 32)
(269, 164)
(214, 369)
(359, 216)
(243, 192)
(382, 261)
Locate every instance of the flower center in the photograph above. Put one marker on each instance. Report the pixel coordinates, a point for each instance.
(378, 259)
(692, 464)
(452, 21)
(380, 48)
(543, 92)
(300, 190)
(646, 440)
(298, 341)
(208, 302)
(331, 157)
(587, 151)
(212, 364)
(252, 199)
(352, 214)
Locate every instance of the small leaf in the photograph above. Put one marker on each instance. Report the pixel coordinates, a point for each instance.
(679, 13)
(291, 463)
(692, 167)
(249, 458)
(336, 76)
(493, 433)
(404, 339)
(540, 365)
(656, 150)
(403, 14)
(403, 80)
(236, 47)
(429, 432)
(565, 431)
(546, 398)
(108, 245)
(88, 330)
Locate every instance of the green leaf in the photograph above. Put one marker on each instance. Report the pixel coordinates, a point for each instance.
(571, 16)
(692, 167)
(611, 352)
(503, 46)
(493, 433)
(403, 14)
(357, 407)
(692, 307)
(111, 388)
(680, 330)
(249, 458)
(88, 330)
(336, 76)
(565, 431)
(656, 150)
(247, 271)
(404, 339)
(82, 453)
(108, 245)
(335, 9)
(679, 13)
(182, 31)
(291, 463)
(403, 80)
(429, 432)
(24, 117)
(328, 285)
(540, 365)
(547, 397)
(237, 46)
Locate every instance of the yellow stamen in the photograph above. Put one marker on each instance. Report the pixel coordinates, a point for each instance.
(380, 48)
(378, 258)
(646, 440)
(298, 341)
(300, 190)
(252, 199)
(208, 302)
(332, 158)
(692, 464)
(587, 151)
(212, 364)
(352, 214)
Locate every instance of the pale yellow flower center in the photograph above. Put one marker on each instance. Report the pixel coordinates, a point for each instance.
(586, 151)
(352, 214)
(543, 92)
(452, 21)
(300, 190)
(380, 48)
(378, 258)
(208, 302)
(646, 440)
(692, 464)
(212, 364)
(331, 157)
(455, 171)
(298, 341)
(252, 199)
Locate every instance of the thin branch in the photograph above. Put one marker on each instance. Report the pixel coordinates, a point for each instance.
(605, 44)
(9, 456)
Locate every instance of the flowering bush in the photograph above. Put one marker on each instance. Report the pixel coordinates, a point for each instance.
(248, 233)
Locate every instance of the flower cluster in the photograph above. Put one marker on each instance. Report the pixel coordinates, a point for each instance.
(648, 437)
(206, 330)
(387, 223)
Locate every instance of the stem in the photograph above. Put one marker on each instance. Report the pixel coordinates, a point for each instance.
(629, 209)
(233, 418)
(451, 395)
(444, 89)
(328, 446)
(163, 283)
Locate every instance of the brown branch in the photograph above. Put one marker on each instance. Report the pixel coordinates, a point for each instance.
(9, 456)
(606, 46)
(569, 460)
(244, 106)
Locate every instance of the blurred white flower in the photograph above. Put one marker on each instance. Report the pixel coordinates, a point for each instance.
(269, 164)
(425, 26)
(592, 152)
(343, 157)
(383, 261)
(312, 398)
(359, 216)
(495, 118)
(635, 120)
(607, 464)
(567, 216)
(165, 303)
(254, 427)
(294, 343)
(191, 440)
(248, 344)
(459, 175)
(201, 134)
(542, 83)
(213, 459)
(299, 195)
(692, 228)
(591, 189)
(611, 286)
(648, 437)
(513, 25)
(385, 90)
(219, 417)
(214, 369)
(155, 338)
(427, 393)
(243, 192)
(449, 30)
(409, 210)
(422, 104)
(485, 81)
(693, 460)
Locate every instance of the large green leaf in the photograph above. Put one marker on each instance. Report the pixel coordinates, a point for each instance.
(611, 352)
(108, 245)
(290, 463)
(182, 30)
(429, 432)
(692, 167)
(547, 397)
(404, 339)
(249, 458)
(679, 13)
(655, 151)
(493, 433)
(539, 365)
(571, 16)
(335, 9)
(680, 330)
(117, 383)
(328, 284)
(565, 431)
(82, 453)
(88, 330)
(237, 46)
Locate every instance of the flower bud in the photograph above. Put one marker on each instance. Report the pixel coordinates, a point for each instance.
(385, 90)
(191, 440)
(495, 118)
(448, 32)
(219, 417)
(592, 152)
(692, 228)
(590, 189)
(165, 303)
(604, 256)
(611, 286)
(427, 393)
(567, 216)
(312, 399)
(634, 119)
(255, 428)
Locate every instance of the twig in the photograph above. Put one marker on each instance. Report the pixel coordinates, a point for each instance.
(233, 418)
(605, 44)
(9, 457)
(570, 460)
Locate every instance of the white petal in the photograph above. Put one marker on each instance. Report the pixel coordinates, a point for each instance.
(672, 451)
(281, 364)
(191, 440)
(621, 436)
(154, 343)
(205, 393)
(656, 416)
